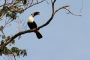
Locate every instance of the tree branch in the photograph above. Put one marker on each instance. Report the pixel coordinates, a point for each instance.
(33, 4)
(71, 12)
(18, 34)
(63, 7)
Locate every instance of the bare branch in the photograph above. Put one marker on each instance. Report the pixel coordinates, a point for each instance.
(7, 23)
(34, 4)
(71, 12)
(63, 7)
(18, 34)
(45, 24)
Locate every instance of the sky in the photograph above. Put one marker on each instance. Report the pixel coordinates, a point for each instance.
(67, 37)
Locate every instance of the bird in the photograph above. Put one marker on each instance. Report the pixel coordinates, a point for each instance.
(32, 24)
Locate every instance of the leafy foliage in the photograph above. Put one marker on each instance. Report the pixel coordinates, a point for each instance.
(13, 51)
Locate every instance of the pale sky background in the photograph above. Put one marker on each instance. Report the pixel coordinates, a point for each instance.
(67, 37)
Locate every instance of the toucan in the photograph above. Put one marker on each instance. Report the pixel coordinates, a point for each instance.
(32, 24)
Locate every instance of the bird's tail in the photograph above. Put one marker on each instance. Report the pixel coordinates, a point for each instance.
(38, 34)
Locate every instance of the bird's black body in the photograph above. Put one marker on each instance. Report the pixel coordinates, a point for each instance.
(33, 25)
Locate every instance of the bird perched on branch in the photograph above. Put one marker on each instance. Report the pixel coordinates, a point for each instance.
(32, 24)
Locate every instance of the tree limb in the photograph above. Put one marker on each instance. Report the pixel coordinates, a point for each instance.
(34, 4)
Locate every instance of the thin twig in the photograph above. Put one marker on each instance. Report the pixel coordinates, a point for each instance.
(34, 4)
(71, 12)
(63, 7)
(7, 23)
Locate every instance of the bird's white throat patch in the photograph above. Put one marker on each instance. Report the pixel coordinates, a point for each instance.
(31, 19)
